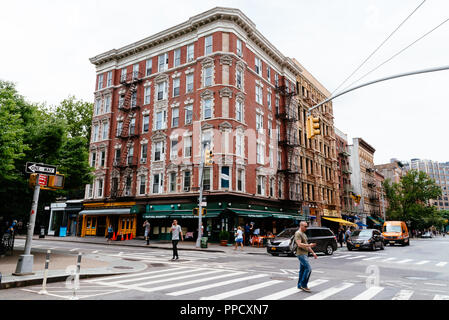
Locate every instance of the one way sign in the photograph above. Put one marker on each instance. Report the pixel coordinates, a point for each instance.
(33, 167)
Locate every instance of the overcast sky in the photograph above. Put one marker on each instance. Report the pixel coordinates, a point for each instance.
(46, 45)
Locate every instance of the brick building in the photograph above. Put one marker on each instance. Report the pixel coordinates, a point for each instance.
(344, 174)
(211, 82)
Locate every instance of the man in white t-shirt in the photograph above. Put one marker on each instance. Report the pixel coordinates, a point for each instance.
(176, 231)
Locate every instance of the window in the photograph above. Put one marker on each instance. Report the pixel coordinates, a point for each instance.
(240, 179)
(270, 128)
(239, 145)
(134, 99)
(93, 159)
(260, 152)
(119, 128)
(105, 130)
(162, 90)
(136, 71)
(278, 129)
(117, 155)
(107, 104)
(207, 76)
(176, 87)
(279, 160)
(239, 79)
(259, 98)
(100, 82)
(208, 45)
(270, 155)
(99, 188)
(130, 155)
(132, 126)
(142, 184)
(172, 182)
(89, 191)
(207, 104)
(147, 95)
(189, 83)
(160, 120)
(206, 179)
(177, 57)
(175, 117)
(157, 183)
(259, 122)
(187, 147)
(174, 149)
(239, 48)
(258, 66)
(159, 151)
(271, 187)
(189, 114)
(109, 81)
(123, 75)
(97, 106)
(268, 73)
(190, 52)
(276, 79)
(277, 105)
(163, 62)
(239, 111)
(96, 137)
(186, 180)
(224, 177)
(269, 100)
(128, 186)
(148, 67)
(144, 152)
(261, 185)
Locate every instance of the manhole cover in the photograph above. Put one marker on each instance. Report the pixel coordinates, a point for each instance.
(122, 267)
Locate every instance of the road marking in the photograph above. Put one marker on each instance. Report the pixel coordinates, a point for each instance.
(133, 275)
(74, 249)
(95, 251)
(236, 292)
(441, 264)
(167, 274)
(372, 258)
(356, 257)
(403, 295)
(290, 291)
(329, 292)
(214, 285)
(368, 293)
(343, 256)
(435, 284)
(405, 260)
(440, 297)
(388, 259)
(423, 262)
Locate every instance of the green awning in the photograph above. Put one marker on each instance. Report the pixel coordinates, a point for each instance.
(251, 213)
(178, 214)
(377, 223)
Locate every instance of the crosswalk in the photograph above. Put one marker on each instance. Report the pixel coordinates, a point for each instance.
(163, 257)
(193, 283)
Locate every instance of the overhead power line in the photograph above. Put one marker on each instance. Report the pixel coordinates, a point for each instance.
(395, 55)
(377, 49)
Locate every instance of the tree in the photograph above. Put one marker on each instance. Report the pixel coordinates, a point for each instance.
(409, 199)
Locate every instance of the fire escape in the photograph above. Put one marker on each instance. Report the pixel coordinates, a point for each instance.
(129, 105)
(290, 142)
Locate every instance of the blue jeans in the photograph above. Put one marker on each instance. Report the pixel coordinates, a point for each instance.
(304, 270)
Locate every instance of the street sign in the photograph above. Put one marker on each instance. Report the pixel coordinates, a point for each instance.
(42, 180)
(33, 167)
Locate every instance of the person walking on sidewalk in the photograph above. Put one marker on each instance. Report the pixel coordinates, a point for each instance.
(239, 238)
(341, 236)
(110, 233)
(147, 226)
(302, 251)
(176, 232)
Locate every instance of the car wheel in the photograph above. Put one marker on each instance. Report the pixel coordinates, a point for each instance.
(329, 250)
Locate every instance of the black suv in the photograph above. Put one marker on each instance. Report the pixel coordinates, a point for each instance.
(284, 242)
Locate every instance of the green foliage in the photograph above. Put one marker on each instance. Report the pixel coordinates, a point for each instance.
(409, 200)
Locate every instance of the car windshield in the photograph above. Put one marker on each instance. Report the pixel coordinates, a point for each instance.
(362, 233)
(390, 228)
(287, 233)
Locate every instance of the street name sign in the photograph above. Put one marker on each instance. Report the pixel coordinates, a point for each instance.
(33, 167)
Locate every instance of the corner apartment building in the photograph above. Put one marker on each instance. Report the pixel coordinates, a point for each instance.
(344, 175)
(439, 171)
(213, 82)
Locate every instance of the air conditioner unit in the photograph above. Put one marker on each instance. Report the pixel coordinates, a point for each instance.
(186, 189)
(143, 160)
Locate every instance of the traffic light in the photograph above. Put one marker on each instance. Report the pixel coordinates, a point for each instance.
(312, 127)
(56, 181)
(195, 211)
(208, 157)
(33, 178)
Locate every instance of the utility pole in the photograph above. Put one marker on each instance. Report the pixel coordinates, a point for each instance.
(200, 200)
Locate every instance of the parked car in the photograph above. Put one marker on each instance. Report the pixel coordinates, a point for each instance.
(395, 232)
(365, 239)
(427, 234)
(284, 242)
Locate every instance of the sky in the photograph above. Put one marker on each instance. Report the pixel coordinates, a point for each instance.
(46, 45)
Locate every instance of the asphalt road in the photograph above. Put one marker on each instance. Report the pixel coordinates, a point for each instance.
(416, 272)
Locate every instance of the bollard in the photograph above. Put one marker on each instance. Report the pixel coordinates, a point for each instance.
(77, 277)
(44, 282)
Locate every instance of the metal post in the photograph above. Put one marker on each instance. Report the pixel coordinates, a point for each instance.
(200, 207)
(44, 282)
(25, 263)
(77, 277)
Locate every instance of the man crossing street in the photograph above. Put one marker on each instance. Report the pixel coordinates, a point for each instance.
(302, 251)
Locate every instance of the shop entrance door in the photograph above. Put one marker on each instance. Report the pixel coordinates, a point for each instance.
(127, 225)
(91, 226)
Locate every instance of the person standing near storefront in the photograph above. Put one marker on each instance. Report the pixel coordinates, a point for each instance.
(147, 227)
(302, 251)
(110, 233)
(176, 232)
(239, 238)
(247, 234)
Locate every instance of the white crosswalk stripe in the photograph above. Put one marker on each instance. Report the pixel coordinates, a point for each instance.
(329, 292)
(236, 292)
(134, 275)
(341, 257)
(440, 297)
(404, 261)
(403, 295)
(371, 258)
(356, 257)
(423, 262)
(368, 293)
(290, 291)
(441, 264)
(388, 259)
